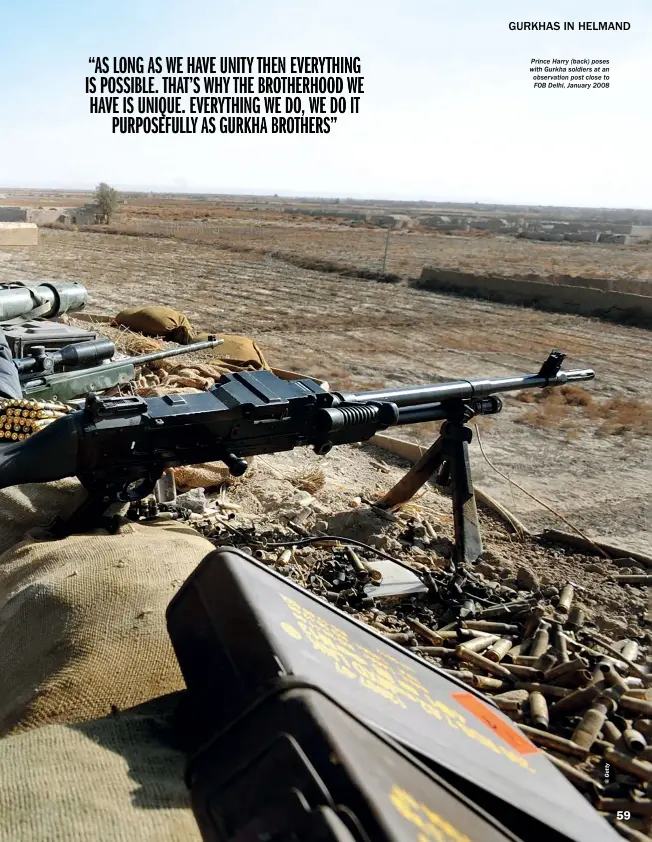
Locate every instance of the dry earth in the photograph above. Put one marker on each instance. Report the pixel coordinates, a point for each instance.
(407, 251)
(365, 334)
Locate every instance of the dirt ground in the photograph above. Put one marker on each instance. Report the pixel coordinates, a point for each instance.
(408, 251)
(272, 494)
(359, 334)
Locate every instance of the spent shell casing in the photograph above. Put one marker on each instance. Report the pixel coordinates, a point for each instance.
(502, 610)
(523, 660)
(465, 654)
(574, 679)
(630, 650)
(354, 558)
(576, 700)
(565, 668)
(560, 643)
(590, 725)
(540, 643)
(634, 740)
(637, 768)
(565, 599)
(532, 621)
(425, 631)
(437, 651)
(539, 710)
(554, 742)
(527, 673)
(544, 662)
(641, 706)
(486, 682)
(644, 726)
(499, 649)
(448, 634)
(610, 732)
(576, 617)
(479, 644)
(284, 557)
(545, 689)
(642, 807)
(464, 675)
(517, 651)
(577, 776)
(404, 638)
(508, 704)
(612, 678)
(491, 627)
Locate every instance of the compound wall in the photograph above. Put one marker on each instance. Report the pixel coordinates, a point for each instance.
(614, 305)
(18, 234)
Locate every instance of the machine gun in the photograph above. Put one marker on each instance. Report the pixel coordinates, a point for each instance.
(73, 371)
(120, 447)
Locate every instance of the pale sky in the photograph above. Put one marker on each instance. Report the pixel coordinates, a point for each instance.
(449, 112)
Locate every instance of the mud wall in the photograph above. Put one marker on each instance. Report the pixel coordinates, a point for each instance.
(18, 234)
(615, 305)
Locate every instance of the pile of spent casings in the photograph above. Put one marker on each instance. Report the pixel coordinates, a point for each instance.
(583, 698)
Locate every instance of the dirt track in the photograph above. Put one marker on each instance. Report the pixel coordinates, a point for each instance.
(365, 334)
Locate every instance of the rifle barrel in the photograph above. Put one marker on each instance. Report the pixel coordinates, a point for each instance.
(173, 352)
(410, 396)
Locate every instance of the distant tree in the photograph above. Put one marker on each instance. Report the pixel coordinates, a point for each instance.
(106, 198)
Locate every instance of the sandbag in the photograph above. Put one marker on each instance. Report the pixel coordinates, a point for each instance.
(156, 321)
(205, 474)
(237, 352)
(117, 779)
(26, 507)
(82, 621)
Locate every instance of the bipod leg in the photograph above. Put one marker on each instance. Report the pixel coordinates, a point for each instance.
(415, 478)
(468, 541)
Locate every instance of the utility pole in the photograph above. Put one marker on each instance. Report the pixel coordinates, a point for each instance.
(386, 247)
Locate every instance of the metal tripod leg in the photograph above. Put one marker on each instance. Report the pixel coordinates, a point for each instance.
(448, 456)
(468, 542)
(416, 477)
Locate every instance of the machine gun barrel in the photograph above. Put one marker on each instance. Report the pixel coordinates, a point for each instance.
(466, 389)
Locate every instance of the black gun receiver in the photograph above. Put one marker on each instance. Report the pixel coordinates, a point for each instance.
(119, 447)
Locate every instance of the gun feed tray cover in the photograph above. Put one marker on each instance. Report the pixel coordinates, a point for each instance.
(297, 766)
(238, 629)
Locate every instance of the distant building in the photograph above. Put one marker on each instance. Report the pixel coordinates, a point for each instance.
(639, 233)
(12, 214)
(86, 215)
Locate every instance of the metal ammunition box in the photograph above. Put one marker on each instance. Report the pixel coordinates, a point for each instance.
(53, 336)
(297, 766)
(241, 631)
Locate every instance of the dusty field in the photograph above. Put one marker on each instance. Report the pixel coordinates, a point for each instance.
(408, 251)
(365, 335)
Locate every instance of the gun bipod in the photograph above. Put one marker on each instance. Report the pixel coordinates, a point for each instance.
(447, 462)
